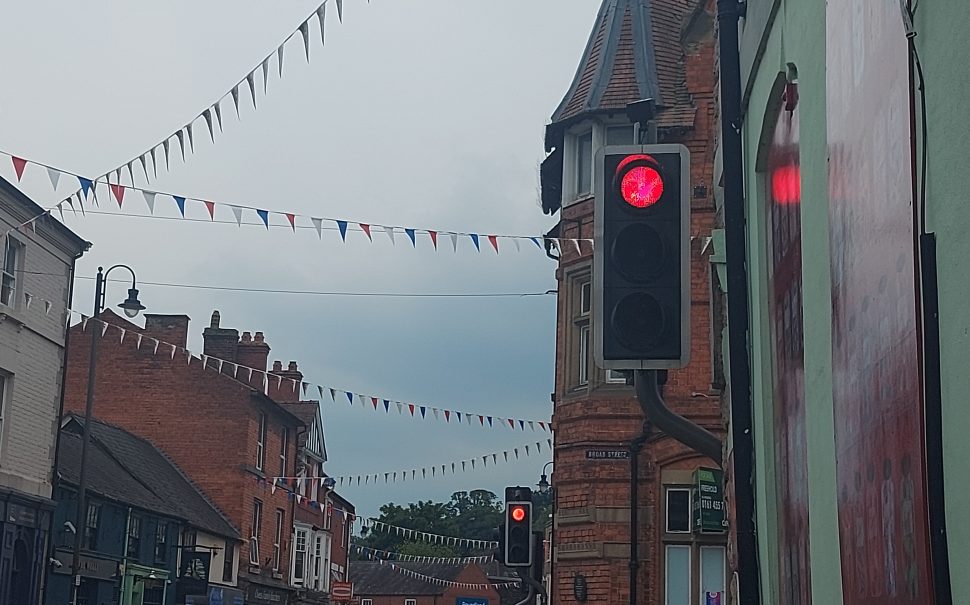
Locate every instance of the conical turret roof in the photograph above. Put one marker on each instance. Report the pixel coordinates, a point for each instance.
(634, 52)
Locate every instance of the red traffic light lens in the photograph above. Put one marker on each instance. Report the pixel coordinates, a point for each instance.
(518, 513)
(642, 187)
(639, 181)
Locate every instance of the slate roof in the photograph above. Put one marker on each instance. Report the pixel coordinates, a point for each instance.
(305, 411)
(372, 578)
(634, 52)
(126, 468)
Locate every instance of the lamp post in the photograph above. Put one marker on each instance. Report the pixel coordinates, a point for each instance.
(544, 487)
(131, 306)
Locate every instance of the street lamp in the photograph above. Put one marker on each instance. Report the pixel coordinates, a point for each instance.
(543, 479)
(131, 306)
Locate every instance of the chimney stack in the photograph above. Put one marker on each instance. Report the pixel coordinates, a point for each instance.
(253, 352)
(173, 329)
(220, 342)
(287, 392)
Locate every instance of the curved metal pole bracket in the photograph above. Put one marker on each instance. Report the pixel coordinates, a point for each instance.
(678, 427)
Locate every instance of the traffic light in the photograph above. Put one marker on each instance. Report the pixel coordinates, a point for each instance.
(641, 273)
(518, 547)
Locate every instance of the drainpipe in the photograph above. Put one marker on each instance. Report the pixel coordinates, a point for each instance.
(728, 15)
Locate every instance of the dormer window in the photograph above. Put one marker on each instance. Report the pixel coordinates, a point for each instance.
(621, 135)
(584, 164)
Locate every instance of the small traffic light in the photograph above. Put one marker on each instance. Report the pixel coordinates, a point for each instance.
(641, 274)
(518, 547)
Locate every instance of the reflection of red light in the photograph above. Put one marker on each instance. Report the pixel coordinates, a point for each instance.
(518, 513)
(642, 187)
(786, 186)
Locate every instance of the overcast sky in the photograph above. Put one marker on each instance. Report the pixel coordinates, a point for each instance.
(423, 113)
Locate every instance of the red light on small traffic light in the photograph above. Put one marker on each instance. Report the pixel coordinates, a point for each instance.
(786, 185)
(518, 513)
(641, 185)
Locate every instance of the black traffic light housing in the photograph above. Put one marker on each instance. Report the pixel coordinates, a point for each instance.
(518, 548)
(641, 273)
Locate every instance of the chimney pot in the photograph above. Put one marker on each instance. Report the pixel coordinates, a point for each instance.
(214, 323)
(277, 366)
(247, 337)
(292, 366)
(258, 337)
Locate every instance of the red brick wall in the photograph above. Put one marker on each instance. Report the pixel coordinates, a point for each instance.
(608, 416)
(470, 575)
(206, 423)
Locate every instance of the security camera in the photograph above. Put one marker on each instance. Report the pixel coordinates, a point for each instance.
(70, 527)
(57, 564)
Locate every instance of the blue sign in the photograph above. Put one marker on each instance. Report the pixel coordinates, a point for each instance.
(471, 601)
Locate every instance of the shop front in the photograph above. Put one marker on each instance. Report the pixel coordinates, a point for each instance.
(261, 594)
(99, 579)
(217, 595)
(144, 586)
(24, 521)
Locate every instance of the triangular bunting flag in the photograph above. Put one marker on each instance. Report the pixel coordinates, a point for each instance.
(342, 226)
(318, 225)
(85, 185)
(322, 19)
(149, 200)
(211, 207)
(390, 233)
(474, 237)
(423, 411)
(218, 108)
(18, 166)
(265, 66)
(305, 32)
(54, 176)
(237, 212)
(494, 241)
(366, 229)
(447, 415)
(235, 99)
(207, 115)
(181, 137)
(434, 238)
(180, 201)
(292, 219)
(119, 192)
(454, 241)
(264, 216)
(340, 10)
(410, 234)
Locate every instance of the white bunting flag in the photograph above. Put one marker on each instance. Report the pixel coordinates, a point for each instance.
(390, 233)
(104, 328)
(340, 10)
(279, 58)
(54, 176)
(235, 98)
(165, 147)
(207, 115)
(144, 165)
(251, 80)
(173, 351)
(218, 109)
(181, 137)
(155, 350)
(305, 32)
(188, 131)
(318, 225)
(321, 19)
(47, 307)
(123, 332)
(237, 212)
(149, 200)
(154, 161)
(265, 66)
(454, 241)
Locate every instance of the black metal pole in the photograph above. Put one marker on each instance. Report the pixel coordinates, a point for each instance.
(79, 517)
(635, 446)
(728, 14)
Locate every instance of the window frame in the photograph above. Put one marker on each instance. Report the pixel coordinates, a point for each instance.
(9, 280)
(6, 380)
(366, 602)
(410, 602)
(690, 570)
(133, 543)
(91, 531)
(278, 540)
(579, 310)
(578, 180)
(229, 561)
(256, 522)
(161, 542)
(284, 437)
(261, 442)
(669, 489)
(300, 534)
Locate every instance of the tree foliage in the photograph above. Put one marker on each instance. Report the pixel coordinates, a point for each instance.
(473, 515)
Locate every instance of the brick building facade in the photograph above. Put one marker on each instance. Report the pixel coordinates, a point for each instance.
(215, 421)
(664, 50)
(376, 583)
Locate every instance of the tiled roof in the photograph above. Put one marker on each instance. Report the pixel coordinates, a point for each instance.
(372, 578)
(129, 469)
(634, 52)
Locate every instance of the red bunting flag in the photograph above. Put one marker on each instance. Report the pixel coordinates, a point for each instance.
(481, 419)
(434, 238)
(118, 191)
(512, 423)
(447, 415)
(494, 241)
(366, 229)
(411, 407)
(292, 218)
(374, 401)
(18, 165)
(211, 207)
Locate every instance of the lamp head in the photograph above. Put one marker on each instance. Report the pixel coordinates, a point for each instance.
(132, 306)
(543, 483)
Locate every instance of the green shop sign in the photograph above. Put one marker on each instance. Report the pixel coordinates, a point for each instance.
(709, 514)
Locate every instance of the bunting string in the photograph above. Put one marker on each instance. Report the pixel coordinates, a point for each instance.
(427, 472)
(291, 220)
(395, 556)
(256, 376)
(433, 580)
